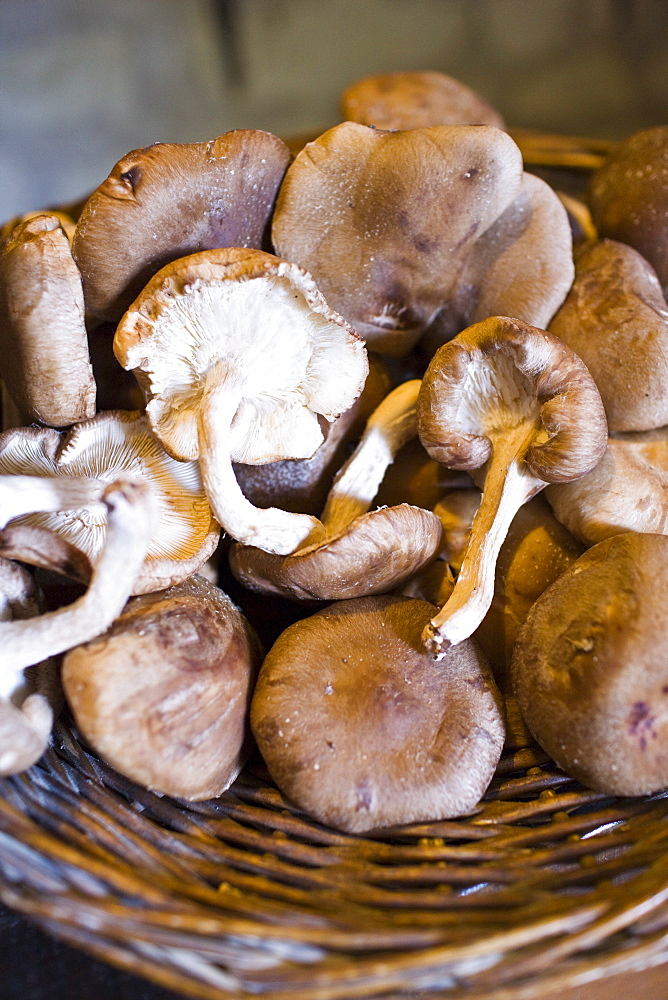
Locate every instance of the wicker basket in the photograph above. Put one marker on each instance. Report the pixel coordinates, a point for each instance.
(546, 886)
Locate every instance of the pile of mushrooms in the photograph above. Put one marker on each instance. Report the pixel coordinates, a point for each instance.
(280, 421)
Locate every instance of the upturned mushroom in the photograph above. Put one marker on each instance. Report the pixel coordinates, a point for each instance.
(627, 491)
(437, 225)
(238, 353)
(28, 641)
(362, 552)
(415, 99)
(590, 666)
(164, 694)
(46, 365)
(362, 731)
(516, 400)
(628, 195)
(169, 200)
(615, 317)
(51, 485)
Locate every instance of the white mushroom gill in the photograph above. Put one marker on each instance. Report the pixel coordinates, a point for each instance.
(77, 466)
(238, 354)
(496, 396)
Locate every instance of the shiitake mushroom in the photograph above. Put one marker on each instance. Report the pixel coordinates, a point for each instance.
(163, 695)
(361, 728)
(590, 666)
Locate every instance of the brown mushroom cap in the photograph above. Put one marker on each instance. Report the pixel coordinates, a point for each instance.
(170, 200)
(627, 491)
(375, 553)
(399, 211)
(415, 100)
(615, 318)
(362, 730)
(590, 666)
(439, 227)
(45, 362)
(629, 197)
(163, 695)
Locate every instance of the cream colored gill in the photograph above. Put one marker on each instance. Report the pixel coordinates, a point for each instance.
(259, 329)
(496, 396)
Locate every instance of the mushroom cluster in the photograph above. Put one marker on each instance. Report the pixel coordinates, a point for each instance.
(280, 417)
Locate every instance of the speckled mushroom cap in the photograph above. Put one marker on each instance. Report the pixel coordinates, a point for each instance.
(615, 318)
(45, 361)
(628, 195)
(169, 200)
(627, 491)
(112, 444)
(590, 666)
(388, 224)
(374, 554)
(238, 354)
(163, 695)
(362, 730)
(415, 100)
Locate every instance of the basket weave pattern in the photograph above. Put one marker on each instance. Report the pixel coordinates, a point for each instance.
(547, 884)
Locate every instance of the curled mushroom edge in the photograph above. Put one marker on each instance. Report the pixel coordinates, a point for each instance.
(515, 401)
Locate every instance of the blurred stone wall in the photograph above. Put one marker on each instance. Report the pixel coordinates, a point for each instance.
(84, 81)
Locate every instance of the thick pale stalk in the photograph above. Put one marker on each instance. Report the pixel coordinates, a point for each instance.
(129, 528)
(267, 528)
(28, 494)
(508, 485)
(390, 426)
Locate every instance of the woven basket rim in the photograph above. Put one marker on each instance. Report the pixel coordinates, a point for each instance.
(547, 884)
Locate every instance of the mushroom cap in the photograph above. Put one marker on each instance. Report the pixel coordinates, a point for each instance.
(628, 195)
(615, 318)
(363, 730)
(590, 666)
(260, 322)
(112, 444)
(415, 99)
(502, 372)
(400, 212)
(163, 695)
(45, 362)
(373, 554)
(169, 200)
(627, 491)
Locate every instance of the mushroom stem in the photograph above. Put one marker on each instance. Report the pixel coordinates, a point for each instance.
(390, 426)
(508, 485)
(24, 642)
(28, 494)
(268, 528)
